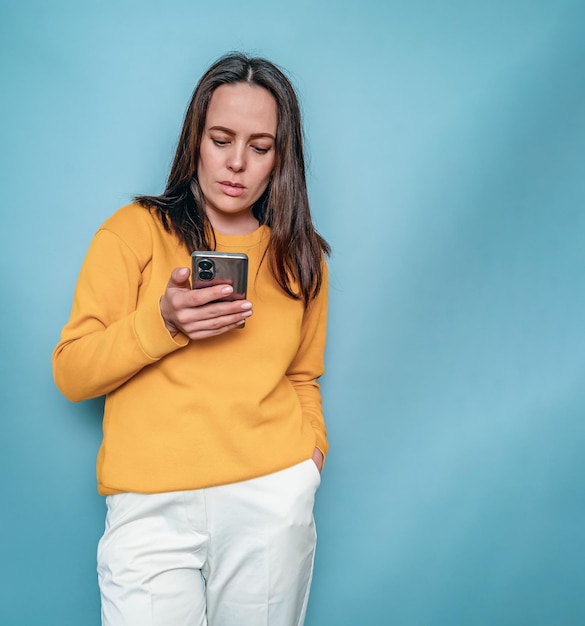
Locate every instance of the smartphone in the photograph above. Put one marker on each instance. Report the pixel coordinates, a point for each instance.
(215, 268)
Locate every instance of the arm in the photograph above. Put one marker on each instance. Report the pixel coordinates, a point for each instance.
(108, 338)
(308, 366)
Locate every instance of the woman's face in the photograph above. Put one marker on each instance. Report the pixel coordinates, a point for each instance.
(236, 155)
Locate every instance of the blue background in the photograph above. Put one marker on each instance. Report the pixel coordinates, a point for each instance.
(446, 147)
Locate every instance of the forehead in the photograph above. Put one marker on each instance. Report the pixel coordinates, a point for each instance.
(242, 108)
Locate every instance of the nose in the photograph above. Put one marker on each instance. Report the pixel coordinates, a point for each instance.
(237, 158)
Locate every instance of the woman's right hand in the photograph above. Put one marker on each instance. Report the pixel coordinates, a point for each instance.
(193, 312)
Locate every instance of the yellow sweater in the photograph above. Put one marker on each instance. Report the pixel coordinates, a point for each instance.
(182, 414)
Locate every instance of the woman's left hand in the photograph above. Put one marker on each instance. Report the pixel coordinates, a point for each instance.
(318, 459)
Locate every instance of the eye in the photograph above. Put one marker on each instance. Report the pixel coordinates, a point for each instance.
(260, 149)
(220, 142)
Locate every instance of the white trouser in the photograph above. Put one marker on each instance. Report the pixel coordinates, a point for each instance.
(233, 555)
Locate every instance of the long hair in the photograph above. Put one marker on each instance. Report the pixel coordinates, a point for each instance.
(295, 250)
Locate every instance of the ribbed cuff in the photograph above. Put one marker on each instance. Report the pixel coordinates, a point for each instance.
(153, 335)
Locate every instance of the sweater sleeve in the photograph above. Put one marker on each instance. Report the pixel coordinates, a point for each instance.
(109, 338)
(308, 364)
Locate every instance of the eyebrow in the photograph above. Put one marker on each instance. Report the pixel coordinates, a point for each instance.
(229, 131)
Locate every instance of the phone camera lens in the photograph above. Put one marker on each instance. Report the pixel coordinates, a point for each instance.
(205, 269)
(205, 264)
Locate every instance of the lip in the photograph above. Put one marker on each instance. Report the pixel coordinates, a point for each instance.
(231, 188)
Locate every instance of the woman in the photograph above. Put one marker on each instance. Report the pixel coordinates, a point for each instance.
(213, 430)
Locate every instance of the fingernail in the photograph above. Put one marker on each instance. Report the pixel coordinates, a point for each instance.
(227, 289)
(246, 313)
(247, 305)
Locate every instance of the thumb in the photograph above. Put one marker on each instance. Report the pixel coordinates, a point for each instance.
(179, 278)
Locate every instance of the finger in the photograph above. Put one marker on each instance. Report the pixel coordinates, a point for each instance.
(211, 326)
(205, 295)
(218, 310)
(179, 278)
(213, 332)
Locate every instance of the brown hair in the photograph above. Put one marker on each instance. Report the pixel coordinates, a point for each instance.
(295, 249)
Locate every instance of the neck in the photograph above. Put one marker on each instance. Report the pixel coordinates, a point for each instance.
(233, 225)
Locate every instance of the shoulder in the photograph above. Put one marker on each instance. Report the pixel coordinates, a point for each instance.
(130, 218)
(136, 229)
(136, 226)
